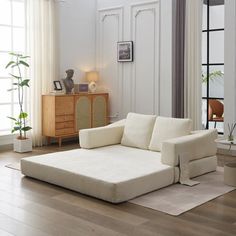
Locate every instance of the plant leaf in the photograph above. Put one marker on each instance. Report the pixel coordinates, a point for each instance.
(14, 65)
(24, 57)
(16, 128)
(24, 83)
(213, 75)
(9, 64)
(23, 63)
(17, 77)
(23, 115)
(15, 54)
(12, 118)
(12, 89)
(26, 128)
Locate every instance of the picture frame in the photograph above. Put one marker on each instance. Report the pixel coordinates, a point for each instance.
(81, 88)
(57, 85)
(125, 51)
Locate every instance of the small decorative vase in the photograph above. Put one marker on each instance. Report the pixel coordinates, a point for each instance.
(92, 87)
(230, 138)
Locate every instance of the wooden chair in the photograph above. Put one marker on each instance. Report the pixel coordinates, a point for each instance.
(216, 111)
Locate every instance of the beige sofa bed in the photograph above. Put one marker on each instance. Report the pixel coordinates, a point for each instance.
(129, 158)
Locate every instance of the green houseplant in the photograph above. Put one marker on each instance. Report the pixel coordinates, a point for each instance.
(213, 75)
(21, 142)
(231, 128)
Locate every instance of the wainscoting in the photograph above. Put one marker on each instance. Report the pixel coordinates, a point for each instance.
(143, 85)
(110, 32)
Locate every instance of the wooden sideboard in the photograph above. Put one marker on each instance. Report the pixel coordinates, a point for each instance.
(64, 115)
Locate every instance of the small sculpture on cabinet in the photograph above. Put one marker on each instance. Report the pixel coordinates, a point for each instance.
(68, 81)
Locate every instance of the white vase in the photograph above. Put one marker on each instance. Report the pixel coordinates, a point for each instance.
(92, 87)
(24, 145)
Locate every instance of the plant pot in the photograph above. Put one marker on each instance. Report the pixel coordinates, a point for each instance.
(22, 145)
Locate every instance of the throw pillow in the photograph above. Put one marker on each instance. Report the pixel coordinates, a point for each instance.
(138, 130)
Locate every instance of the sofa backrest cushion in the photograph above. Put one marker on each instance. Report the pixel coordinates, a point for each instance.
(138, 130)
(167, 128)
(118, 123)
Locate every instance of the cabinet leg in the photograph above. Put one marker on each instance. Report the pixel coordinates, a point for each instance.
(59, 141)
(48, 140)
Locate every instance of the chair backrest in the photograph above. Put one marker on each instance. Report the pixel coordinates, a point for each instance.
(215, 108)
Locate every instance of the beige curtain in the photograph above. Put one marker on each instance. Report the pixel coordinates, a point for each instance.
(192, 64)
(41, 32)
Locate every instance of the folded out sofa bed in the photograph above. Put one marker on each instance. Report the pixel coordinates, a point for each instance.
(129, 158)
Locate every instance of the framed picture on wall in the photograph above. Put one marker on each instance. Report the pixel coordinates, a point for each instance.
(125, 51)
(57, 85)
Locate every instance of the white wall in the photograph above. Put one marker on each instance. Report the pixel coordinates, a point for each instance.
(88, 40)
(144, 85)
(230, 63)
(76, 29)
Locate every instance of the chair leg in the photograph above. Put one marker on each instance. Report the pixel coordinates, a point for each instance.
(215, 125)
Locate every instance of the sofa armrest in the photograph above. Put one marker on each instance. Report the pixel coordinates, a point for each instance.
(99, 137)
(195, 146)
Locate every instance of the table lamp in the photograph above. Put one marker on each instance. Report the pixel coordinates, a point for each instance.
(92, 77)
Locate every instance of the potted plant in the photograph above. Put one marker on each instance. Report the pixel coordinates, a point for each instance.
(21, 142)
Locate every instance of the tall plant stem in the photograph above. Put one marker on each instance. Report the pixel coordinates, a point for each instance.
(21, 97)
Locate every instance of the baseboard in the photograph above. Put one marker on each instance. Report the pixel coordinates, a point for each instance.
(6, 142)
(6, 147)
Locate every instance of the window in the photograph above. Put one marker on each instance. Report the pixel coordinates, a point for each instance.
(12, 38)
(213, 64)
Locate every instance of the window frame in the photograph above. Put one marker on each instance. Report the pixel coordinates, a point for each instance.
(208, 64)
(12, 26)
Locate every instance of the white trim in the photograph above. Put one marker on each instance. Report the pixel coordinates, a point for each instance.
(111, 9)
(155, 9)
(117, 12)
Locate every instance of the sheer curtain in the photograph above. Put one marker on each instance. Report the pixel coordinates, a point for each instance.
(192, 67)
(41, 33)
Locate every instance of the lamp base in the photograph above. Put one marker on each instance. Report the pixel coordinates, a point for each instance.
(92, 87)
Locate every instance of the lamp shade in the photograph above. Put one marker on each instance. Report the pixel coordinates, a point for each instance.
(92, 76)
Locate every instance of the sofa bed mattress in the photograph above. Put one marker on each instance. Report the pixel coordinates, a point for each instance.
(113, 173)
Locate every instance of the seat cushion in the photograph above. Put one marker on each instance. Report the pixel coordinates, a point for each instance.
(138, 130)
(114, 173)
(167, 128)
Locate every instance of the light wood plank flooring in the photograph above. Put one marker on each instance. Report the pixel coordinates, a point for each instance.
(30, 207)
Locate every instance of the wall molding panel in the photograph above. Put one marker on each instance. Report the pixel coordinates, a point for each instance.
(145, 71)
(144, 85)
(110, 32)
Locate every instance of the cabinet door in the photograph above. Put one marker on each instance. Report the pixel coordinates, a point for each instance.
(83, 112)
(99, 110)
(64, 105)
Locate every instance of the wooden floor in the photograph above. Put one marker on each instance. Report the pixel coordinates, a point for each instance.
(30, 207)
